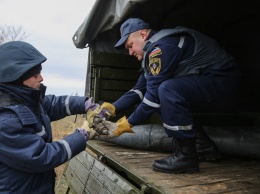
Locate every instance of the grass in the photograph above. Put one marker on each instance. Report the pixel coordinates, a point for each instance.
(60, 129)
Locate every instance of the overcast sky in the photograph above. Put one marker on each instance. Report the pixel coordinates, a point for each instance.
(51, 25)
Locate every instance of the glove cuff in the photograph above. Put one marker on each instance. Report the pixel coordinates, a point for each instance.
(85, 133)
(110, 107)
(123, 127)
(85, 127)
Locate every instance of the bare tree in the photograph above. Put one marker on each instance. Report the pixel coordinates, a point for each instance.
(9, 33)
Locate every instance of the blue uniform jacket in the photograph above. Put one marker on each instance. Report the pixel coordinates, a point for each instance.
(162, 62)
(27, 154)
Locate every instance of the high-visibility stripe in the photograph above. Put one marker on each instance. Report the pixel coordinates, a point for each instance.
(182, 38)
(42, 133)
(67, 147)
(152, 104)
(139, 93)
(177, 128)
(67, 105)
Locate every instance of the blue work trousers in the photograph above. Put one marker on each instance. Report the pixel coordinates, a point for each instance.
(180, 97)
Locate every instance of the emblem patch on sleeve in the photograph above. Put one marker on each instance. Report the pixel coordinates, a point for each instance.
(155, 52)
(155, 65)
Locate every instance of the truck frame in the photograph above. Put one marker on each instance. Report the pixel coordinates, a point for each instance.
(116, 167)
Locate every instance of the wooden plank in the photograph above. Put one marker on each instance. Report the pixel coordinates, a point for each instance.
(86, 174)
(227, 175)
(86, 160)
(116, 85)
(115, 73)
(113, 60)
(94, 186)
(110, 96)
(110, 180)
(210, 182)
(116, 90)
(80, 170)
(126, 165)
(73, 182)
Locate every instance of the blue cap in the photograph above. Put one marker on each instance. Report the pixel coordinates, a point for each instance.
(129, 26)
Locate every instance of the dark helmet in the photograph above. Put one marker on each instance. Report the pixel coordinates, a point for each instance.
(16, 59)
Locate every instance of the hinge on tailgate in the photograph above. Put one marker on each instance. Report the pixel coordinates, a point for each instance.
(146, 188)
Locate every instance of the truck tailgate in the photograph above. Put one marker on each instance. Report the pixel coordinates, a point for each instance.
(133, 168)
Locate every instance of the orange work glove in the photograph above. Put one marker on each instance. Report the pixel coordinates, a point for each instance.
(109, 130)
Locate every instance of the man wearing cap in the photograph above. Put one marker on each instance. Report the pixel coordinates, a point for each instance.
(28, 155)
(184, 71)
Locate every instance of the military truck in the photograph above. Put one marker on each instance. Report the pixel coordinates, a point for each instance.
(124, 165)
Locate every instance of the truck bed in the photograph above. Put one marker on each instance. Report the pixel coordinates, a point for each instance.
(117, 169)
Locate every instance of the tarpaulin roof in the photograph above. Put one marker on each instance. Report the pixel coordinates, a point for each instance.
(104, 15)
(100, 30)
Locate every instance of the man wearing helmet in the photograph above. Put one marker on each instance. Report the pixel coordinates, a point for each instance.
(27, 154)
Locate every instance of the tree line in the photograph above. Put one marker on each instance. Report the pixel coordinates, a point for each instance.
(11, 33)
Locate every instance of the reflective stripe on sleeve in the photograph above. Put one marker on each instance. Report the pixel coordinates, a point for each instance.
(67, 147)
(177, 128)
(67, 105)
(152, 104)
(182, 38)
(42, 132)
(139, 93)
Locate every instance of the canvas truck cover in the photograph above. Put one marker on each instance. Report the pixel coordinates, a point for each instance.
(103, 16)
(222, 20)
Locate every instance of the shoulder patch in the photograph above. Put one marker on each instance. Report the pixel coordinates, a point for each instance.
(155, 52)
(155, 65)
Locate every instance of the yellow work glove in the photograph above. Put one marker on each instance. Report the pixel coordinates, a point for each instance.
(109, 130)
(86, 131)
(110, 108)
